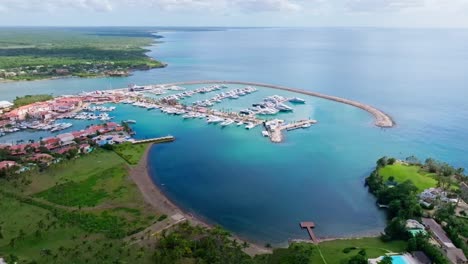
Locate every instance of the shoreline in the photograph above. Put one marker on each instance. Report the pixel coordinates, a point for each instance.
(154, 196)
(51, 78)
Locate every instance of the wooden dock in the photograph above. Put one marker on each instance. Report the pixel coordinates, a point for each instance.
(309, 226)
(276, 135)
(155, 140)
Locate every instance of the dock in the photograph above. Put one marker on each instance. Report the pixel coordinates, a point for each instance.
(309, 226)
(155, 140)
(276, 134)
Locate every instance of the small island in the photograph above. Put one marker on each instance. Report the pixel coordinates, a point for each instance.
(33, 54)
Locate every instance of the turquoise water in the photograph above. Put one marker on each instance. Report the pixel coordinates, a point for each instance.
(398, 260)
(261, 190)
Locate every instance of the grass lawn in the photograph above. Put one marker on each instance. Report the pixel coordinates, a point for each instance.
(97, 182)
(74, 170)
(332, 251)
(401, 173)
(130, 152)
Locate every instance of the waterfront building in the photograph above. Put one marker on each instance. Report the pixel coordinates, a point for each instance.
(7, 164)
(454, 254)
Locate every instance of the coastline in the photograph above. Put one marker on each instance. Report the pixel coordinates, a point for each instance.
(153, 195)
(163, 65)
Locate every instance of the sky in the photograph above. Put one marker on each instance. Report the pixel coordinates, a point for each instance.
(286, 13)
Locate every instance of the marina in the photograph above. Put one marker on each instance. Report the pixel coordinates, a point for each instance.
(90, 106)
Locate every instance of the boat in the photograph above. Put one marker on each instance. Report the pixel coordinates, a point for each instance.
(214, 119)
(306, 125)
(250, 126)
(130, 121)
(297, 100)
(227, 122)
(284, 108)
(240, 123)
(265, 133)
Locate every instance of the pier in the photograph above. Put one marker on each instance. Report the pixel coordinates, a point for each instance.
(309, 226)
(381, 118)
(155, 140)
(276, 133)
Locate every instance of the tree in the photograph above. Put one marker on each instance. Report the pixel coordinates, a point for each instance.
(382, 162)
(357, 259)
(386, 260)
(391, 161)
(395, 230)
(413, 160)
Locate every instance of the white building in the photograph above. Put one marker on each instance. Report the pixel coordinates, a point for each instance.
(5, 104)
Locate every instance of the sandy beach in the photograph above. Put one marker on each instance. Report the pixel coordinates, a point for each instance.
(154, 196)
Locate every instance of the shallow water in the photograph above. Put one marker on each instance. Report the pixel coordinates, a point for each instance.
(261, 190)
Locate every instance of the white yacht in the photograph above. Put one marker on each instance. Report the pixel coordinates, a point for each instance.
(250, 126)
(227, 122)
(297, 100)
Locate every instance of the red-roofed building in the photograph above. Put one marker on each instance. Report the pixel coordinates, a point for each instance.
(64, 150)
(85, 148)
(63, 107)
(42, 157)
(7, 164)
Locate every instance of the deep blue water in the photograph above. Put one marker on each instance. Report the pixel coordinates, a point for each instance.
(261, 190)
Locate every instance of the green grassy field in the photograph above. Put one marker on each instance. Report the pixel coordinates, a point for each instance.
(131, 153)
(86, 202)
(332, 251)
(401, 173)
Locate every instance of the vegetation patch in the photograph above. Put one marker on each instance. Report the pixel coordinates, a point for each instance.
(84, 193)
(132, 153)
(29, 99)
(334, 252)
(401, 173)
(29, 54)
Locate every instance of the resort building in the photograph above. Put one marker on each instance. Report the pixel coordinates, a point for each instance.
(464, 191)
(7, 164)
(5, 104)
(434, 195)
(414, 227)
(454, 254)
(421, 257)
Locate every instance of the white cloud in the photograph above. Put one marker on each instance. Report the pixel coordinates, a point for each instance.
(266, 5)
(167, 5)
(382, 5)
(376, 6)
(53, 5)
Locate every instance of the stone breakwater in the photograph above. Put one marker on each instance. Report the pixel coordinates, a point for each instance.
(381, 118)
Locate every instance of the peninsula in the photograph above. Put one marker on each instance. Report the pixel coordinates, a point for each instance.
(33, 54)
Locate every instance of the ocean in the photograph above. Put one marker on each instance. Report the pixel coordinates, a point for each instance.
(261, 191)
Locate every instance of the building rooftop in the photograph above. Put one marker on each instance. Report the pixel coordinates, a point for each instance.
(5, 104)
(421, 257)
(456, 255)
(438, 232)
